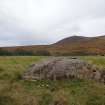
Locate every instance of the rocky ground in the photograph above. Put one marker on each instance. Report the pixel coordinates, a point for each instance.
(57, 68)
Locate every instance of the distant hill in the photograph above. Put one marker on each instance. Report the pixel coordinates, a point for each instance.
(80, 45)
(72, 39)
(74, 45)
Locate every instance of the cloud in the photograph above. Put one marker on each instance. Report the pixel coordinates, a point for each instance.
(25, 22)
(8, 43)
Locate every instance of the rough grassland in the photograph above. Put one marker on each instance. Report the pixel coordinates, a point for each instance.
(98, 60)
(14, 91)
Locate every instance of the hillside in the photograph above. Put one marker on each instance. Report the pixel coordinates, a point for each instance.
(81, 45)
(74, 45)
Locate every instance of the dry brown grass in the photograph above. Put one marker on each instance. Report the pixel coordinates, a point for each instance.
(14, 91)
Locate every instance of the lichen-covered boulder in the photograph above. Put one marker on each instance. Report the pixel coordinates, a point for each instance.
(63, 68)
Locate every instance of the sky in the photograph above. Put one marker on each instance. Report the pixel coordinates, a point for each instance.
(27, 22)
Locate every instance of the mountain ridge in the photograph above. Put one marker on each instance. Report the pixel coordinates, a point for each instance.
(74, 45)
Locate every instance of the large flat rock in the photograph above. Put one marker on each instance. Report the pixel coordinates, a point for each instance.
(56, 68)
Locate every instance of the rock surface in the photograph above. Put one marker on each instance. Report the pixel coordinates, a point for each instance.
(57, 68)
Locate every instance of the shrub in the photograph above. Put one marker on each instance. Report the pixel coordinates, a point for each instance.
(22, 52)
(42, 52)
(4, 52)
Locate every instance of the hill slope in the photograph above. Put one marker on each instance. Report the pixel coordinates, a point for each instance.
(74, 45)
(81, 45)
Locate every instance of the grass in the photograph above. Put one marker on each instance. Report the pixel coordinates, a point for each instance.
(98, 60)
(14, 91)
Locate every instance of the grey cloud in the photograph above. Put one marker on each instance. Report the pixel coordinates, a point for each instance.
(25, 22)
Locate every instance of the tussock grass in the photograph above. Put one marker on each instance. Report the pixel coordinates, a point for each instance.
(98, 60)
(14, 91)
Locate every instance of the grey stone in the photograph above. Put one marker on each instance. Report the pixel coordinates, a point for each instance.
(57, 68)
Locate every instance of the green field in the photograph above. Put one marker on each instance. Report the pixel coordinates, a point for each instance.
(15, 91)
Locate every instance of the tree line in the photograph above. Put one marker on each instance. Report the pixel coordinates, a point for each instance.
(22, 52)
(43, 52)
